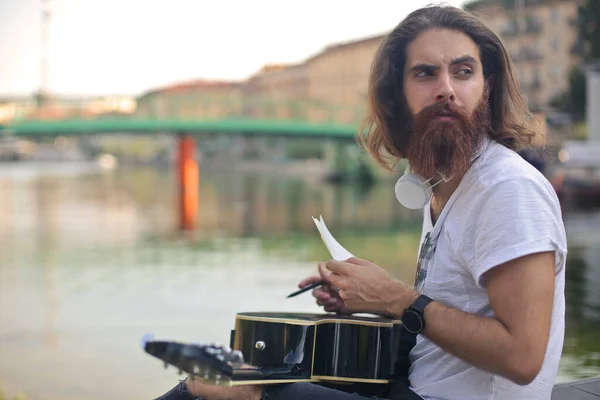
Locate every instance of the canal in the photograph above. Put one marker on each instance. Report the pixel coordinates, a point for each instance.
(90, 262)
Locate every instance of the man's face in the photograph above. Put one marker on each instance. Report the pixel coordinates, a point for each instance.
(445, 91)
(442, 65)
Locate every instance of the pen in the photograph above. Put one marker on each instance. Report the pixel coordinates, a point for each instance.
(306, 289)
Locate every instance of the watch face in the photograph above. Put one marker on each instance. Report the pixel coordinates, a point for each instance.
(412, 321)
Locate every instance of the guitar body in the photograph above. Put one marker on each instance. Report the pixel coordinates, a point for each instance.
(319, 346)
(272, 348)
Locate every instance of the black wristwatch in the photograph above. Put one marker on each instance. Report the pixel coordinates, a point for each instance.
(412, 318)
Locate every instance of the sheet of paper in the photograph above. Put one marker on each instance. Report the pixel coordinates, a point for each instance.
(337, 251)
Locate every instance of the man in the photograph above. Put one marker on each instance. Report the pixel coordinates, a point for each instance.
(488, 302)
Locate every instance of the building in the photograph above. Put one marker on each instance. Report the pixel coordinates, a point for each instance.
(338, 79)
(57, 107)
(193, 100)
(330, 86)
(277, 91)
(542, 39)
(15, 108)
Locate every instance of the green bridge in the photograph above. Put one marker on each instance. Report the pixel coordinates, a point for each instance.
(196, 112)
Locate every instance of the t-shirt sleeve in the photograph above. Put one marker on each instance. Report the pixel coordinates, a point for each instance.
(511, 219)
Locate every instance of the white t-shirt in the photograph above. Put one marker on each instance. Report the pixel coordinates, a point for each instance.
(503, 209)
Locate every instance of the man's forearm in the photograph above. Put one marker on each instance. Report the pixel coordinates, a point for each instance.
(481, 341)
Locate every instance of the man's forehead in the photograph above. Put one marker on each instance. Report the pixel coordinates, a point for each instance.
(441, 46)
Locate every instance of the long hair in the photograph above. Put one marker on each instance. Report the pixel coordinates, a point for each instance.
(385, 130)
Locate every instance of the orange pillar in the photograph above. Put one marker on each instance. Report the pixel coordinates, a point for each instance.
(187, 179)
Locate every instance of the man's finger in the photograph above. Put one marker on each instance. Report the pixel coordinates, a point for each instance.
(358, 261)
(335, 303)
(338, 267)
(333, 291)
(321, 295)
(307, 281)
(324, 274)
(337, 281)
(334, 308)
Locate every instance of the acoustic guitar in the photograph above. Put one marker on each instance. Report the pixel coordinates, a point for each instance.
(271, 348)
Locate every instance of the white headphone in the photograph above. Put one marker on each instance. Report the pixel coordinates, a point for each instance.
(413, 191)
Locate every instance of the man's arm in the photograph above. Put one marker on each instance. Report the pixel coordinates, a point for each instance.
(512, 344)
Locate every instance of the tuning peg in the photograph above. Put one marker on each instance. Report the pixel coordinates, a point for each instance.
(217, 379)
(237, 357)
(145, 339)
(197, 370)
(217, 346)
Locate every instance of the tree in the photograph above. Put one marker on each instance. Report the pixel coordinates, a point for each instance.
(573, 100)
(588, 23)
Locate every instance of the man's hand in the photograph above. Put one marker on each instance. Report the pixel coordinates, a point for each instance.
(365, 287)
(327, 294)
(211, 392)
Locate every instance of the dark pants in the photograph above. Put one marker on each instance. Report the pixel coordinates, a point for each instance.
(299, 391)
(397, 391)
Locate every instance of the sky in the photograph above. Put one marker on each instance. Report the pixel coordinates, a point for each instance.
(125, 47)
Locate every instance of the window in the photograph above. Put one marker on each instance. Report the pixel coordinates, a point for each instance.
(508, 4)
(555, 44)
(535, 79)
(532, 24)
(554, 16)
(521, 77)
(555, 73)
(510, 27)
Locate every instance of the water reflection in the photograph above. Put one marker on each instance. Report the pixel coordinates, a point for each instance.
(90, 263)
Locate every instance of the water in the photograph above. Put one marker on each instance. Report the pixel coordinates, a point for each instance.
(91, 262)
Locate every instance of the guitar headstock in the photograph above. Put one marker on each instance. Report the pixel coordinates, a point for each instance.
(213, 363)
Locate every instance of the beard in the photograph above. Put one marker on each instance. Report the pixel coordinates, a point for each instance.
(446, 147)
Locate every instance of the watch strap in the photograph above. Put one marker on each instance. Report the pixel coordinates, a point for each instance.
(420, 303)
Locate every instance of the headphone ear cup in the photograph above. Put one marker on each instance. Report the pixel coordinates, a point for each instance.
(413, 191)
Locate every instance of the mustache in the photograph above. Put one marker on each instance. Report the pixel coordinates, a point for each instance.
(445, 108)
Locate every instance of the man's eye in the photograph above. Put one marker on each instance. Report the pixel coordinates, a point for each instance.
(422, 74)
(465, 72)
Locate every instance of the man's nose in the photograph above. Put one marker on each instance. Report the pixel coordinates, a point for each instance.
(444, 90)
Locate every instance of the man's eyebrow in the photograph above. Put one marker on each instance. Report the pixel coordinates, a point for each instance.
(463, 59)
(423, 67)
